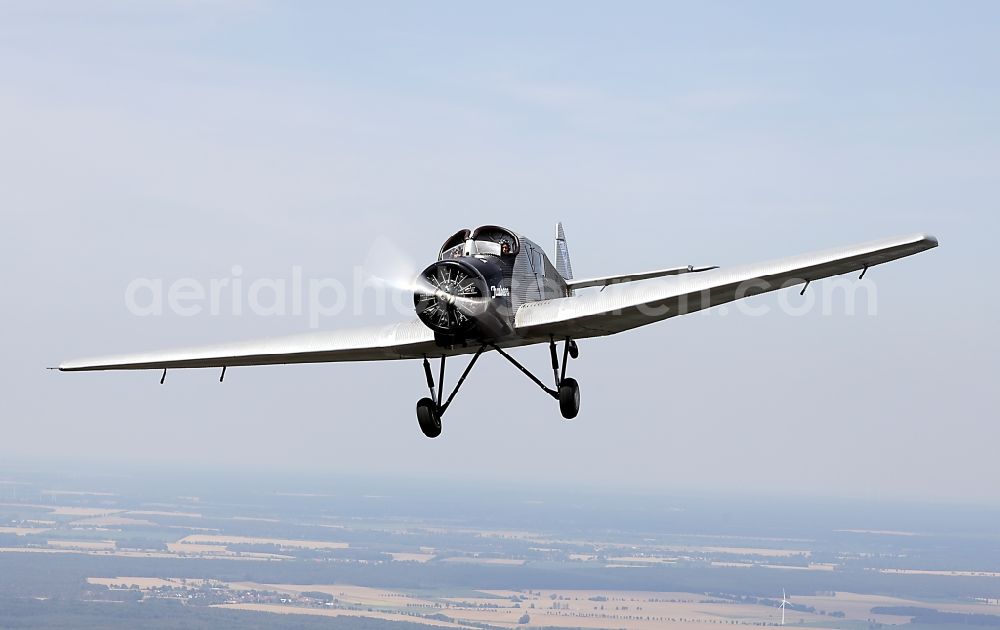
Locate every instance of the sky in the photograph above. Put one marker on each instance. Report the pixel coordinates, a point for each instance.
(182, 140)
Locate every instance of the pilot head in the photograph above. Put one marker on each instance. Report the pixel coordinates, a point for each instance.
(504, 247)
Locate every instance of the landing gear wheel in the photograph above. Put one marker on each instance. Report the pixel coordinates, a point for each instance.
(569, 398)
(429, 418)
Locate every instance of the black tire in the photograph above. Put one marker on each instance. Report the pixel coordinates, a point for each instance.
(428, 417)
(569, 398)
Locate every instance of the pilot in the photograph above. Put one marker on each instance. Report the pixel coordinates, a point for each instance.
(504, 247)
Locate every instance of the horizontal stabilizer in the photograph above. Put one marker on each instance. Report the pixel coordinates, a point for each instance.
(604, 281)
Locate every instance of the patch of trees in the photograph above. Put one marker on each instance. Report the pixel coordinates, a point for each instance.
(144, 544)
(934, 616)
(54, 614)
(11, 540)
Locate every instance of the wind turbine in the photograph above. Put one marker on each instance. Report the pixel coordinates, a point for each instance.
(784, 602)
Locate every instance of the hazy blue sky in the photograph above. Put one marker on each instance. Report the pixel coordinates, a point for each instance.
(178, 140)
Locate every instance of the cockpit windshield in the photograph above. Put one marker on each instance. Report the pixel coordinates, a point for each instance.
(487, 247)
(455, 252)
(488, 240)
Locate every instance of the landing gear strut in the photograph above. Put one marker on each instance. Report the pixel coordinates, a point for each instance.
(430, 410)
(567, 392)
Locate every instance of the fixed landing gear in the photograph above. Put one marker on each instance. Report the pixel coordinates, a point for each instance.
(428, 417)
(430, 410)
(567, 392)
(569, 398)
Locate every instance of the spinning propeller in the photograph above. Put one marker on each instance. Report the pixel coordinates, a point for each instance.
(448, 295)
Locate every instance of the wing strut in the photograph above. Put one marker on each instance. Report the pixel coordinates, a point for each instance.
(462, 378)
(547, 390)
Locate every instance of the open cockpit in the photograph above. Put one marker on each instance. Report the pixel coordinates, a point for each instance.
(488, 240)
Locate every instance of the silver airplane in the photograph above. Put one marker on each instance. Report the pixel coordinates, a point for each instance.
(492, 289)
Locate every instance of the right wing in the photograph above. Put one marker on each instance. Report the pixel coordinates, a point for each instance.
(408, 340)
(626, 306)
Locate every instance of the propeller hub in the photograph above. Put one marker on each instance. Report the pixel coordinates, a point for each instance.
(445, 296)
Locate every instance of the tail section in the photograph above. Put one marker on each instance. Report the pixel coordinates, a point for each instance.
(563, 265)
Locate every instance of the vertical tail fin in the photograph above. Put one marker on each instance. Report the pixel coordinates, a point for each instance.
(563, 265)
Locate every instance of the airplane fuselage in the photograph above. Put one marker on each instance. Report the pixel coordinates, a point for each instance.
(480, 279)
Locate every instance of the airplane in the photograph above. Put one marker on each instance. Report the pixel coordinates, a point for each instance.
(492, 289)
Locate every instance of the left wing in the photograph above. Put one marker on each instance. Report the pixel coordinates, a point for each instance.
(626, 306)
(397, 341)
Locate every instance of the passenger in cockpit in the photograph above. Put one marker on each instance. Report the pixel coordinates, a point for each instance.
(504, 247)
